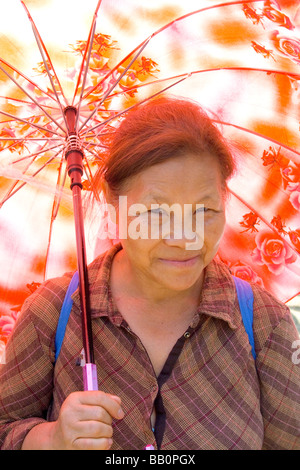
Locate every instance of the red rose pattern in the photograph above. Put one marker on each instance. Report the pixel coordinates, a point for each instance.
(245, 272)
(287, 46)
(270, 12)
(273, 252)
(294, 188)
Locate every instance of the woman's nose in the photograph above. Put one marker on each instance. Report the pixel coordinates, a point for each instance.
(184, 242)
(182, 234)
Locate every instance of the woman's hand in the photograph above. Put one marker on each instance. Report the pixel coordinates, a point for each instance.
(84, 423)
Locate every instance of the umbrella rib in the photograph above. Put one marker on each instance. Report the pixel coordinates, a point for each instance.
(24, 171)
(94, 135)
(93, 144)
(31, 139)
(244, 129)
(55, 206)
(201, 10)
(26, 138)
(134, 105)
(43, 50)
(141, 46)
(184, 76)
(91, 39)
(17, 118)
(37, 153)
(88, 50)
(238, 2)
(93, 152)
(239, 69)
(31, 177)
(28, 156)
(27, 79)
(9, 98)
(90, 178)
(288, 74)
(116, 82)
(40, 46)
(97, 120)
(31, 97)
(269, 225)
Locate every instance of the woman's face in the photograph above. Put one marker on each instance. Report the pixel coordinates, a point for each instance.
(172, 196)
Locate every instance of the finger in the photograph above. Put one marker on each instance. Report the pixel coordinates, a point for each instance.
(104, 400)
(93, 430)
(94, 413)
(92, 444)
(117, 399)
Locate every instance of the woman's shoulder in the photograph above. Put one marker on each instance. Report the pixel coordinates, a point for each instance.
(53, 290)
(270, 314)
(42, 307)
(271, 319)
(264, 301)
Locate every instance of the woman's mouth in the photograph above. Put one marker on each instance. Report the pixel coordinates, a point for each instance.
(181, 263)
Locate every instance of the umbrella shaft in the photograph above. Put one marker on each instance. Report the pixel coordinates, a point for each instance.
(74, 157)
(74, 160)
(82, 271)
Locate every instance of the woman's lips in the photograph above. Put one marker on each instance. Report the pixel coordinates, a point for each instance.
(181, 263)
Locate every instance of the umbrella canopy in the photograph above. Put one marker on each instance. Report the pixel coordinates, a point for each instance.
(240, 60)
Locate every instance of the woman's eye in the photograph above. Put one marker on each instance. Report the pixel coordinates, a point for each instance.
(157, 210)
(202, 209)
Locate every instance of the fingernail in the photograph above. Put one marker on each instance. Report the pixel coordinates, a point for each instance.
(120, 413)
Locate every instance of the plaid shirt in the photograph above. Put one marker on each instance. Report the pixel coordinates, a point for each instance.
(210, 394)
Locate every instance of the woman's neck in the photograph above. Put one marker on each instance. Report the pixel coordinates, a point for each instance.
(141, 291)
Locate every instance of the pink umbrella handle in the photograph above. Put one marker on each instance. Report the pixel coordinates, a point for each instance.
(90, 382)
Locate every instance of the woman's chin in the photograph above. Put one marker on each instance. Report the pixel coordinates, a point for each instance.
(179, 276)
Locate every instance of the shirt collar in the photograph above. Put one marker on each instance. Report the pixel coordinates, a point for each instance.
(218, 297)
(101, 302)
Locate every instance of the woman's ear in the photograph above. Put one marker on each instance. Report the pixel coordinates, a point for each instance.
(106, 191)
(104, 188)
(110, 199)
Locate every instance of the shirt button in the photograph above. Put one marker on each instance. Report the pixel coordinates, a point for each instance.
(187, 334)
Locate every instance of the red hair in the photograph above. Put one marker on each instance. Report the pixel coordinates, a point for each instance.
(161, 129)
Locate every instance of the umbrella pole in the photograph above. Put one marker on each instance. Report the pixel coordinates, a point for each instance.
(74, 156)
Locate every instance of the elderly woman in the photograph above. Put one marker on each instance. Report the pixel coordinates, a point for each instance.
(175, 369)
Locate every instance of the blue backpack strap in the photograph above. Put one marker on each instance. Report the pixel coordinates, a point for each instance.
(244, 293)
(245, 298)
(64, 314)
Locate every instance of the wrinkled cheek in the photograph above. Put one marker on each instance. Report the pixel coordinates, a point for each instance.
(215, 229)
(213, 234)
(220, 234)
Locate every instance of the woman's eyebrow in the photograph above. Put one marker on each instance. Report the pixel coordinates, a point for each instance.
(160, 199)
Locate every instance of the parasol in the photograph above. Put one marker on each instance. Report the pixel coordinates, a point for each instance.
(69, 71)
